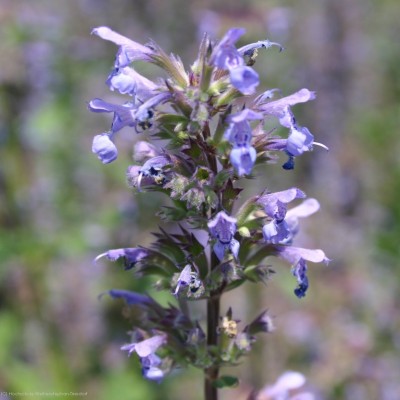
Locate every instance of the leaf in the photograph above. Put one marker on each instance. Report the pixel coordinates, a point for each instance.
(229, 195)
(226, 381)
(259, 255)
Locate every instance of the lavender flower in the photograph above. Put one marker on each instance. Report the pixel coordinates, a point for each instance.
(223, 228)
(243, 155)
(225, 55)
(127, 81)
(275, 204)
(154, 168)
(244, 79)
(128, 49)
(184, 279)
(104, 148)
(283, 230)
(200, 173)
(150, 368)
(130, 255)
(276, 232)
(131, 298)
(129, 114)
(297, 257)
(280, 390)
(146, 349)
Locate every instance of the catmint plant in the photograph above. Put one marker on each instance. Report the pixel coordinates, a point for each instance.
(202, 131)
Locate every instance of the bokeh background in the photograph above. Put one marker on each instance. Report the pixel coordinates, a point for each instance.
(59, 207)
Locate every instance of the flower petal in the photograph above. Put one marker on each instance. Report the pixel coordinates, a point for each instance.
(150, 346)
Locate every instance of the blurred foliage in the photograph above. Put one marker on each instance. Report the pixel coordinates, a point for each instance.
(59, 207)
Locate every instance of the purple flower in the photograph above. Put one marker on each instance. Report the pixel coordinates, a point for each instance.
(243, 159)
(144, 150)
(131, 298)
(128, 49)
(297, 257)
(150, 368)
(184, 279)
(281, 108)
(124, 115)
(276, 232)
(243, 155)
(130, 255)
(225, 55)
(299, 271)
(280, 390)
(261, 43)
(223, 228)
(127, 81)
(146, 349)
(275, 203)
(104, 148)
(244, 79)
(284, 231)
(154, 168)
(299, 141)
(129, 114)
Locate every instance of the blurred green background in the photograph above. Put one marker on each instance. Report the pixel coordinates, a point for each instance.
(59, 207)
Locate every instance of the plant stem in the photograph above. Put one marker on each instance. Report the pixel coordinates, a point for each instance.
(211, 373)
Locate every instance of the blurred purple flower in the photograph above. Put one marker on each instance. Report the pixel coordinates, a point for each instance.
(266, 44)
(104, 148)
(243, 159)
(183, 279)
(130, 255)
(243, 155)
(297, 257)
(225, 55)
(150, 368)
(124, 115)
(129, 50)
(223, 228)
(275, 203)
(280, 390)
(299, 271)
(276, 231)
(127, 81)
(244, 79)
(129, 114)
(154, 168)
(281, 108)
(146, 349)
(131, 298)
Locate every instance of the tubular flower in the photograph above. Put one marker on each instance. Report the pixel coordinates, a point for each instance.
(128, 49)
(104, 148)
(127, 81)
(297, 257)
(223, 228)
(130, 255)
(239, 134)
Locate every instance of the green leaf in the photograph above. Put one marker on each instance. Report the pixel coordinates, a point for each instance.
(226, 381)
(229, 195)
(259, 255)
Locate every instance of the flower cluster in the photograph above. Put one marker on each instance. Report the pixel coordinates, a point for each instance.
(212, 132)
